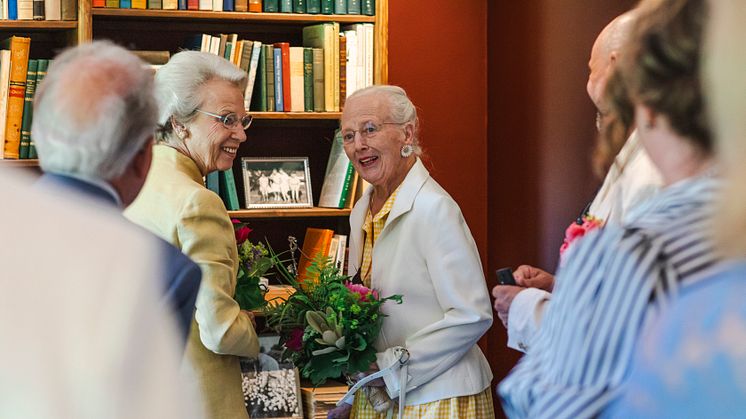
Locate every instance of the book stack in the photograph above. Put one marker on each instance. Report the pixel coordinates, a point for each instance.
(39, 10)
(318, 401)
(340, 181)
(224, 185)
(321, 243)
(18, 79)
(314, 7)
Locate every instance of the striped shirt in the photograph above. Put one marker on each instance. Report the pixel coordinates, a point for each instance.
(613, 281)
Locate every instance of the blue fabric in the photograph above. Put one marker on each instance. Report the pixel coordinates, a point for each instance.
(182, 276)
(691, 362)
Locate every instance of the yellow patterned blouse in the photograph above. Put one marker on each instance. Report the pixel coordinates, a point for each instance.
(475, 406)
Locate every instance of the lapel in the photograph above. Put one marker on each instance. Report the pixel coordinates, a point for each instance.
(81, 186)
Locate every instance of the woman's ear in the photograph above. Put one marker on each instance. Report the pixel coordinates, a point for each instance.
(181, 131)
(408, 133)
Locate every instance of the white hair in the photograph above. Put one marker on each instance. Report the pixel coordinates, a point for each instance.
(93, 112)
(178, 82)
(401, 108)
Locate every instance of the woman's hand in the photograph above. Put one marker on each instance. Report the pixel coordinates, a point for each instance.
(340, 412)
(530, 277)
(251, 317)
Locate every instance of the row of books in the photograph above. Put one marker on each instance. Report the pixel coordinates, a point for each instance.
(39, 9)
(326, 7)
(321, 243)
(318, 401)
(19, 77)
(315, 77)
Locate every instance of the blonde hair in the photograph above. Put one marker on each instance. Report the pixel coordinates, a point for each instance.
(724, 64)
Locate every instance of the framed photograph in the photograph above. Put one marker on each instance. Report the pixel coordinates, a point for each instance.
(277, 182)
(271, 387)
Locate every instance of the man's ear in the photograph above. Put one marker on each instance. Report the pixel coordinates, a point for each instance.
(141, 162)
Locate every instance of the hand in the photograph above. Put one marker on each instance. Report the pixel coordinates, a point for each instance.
(372, 369)
(504, 295)
(530, 277)
(251, 317)
(340, 412)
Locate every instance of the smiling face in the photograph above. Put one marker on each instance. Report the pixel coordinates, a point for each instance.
(210, 144)
(378, 159)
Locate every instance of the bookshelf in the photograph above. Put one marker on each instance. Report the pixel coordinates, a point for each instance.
(273, 134)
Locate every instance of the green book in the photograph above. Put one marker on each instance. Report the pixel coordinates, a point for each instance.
(228, 190)
(353, 7)
(313, 6)
(41, 72)
(154, 4)
(299, 6)
(286, 6)
(340, 7)
(28, 109)
(271, 6)
(259, 99)
(337, 176)
(308, 79)
(368, 7)
(212, 182)
(327, 7)
(269, 68)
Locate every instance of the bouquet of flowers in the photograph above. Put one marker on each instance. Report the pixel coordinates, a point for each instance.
(578, 229)
(254, 261)
(329, 324)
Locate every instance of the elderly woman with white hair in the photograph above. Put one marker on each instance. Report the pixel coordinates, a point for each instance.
(408, 237)
(202, 122)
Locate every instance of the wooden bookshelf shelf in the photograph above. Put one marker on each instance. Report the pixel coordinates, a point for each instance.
(19, 163)
(297, 115)
(290, 213)
(275, 18)
(37, 25)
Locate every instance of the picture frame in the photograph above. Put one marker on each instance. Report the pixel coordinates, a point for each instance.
(271, 387)
(277, 182)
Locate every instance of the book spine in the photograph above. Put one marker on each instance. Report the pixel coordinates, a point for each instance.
(192, 4)
(229, 5)
(255, 6)
(99, 3)
(285, 73)
(127, 4)
(139, 4)
(271, 6)
(212, 182)
(269, 67)
(297, 100)
(340, 7)
(299, 6)
(13, 9)
(346, 185)
(313, 6)
(327, 7)
(318, 80)
(38, 11)
(259, 101)
(152, 4)
(286, 6)
(168, 4)
(342, 70)
(279, 105)
(368, 7)
(4, 84)
(69, 10)
(41, 72)
(28, 108)
(25, 9)
(253, 64)
(353, 7)
(308, 79)
(231, 193)
(19, 51)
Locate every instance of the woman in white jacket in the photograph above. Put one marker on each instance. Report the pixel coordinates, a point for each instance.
(408, 237)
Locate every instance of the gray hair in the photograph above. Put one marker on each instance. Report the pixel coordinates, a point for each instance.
(93, 112)
(178, 82)
(401, 108)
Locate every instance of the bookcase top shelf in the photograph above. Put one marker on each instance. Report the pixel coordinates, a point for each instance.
(297, 115)
(290, 213)
(37, 25)
(289, 18)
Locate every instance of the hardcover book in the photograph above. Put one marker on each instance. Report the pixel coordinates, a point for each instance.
(255, 6)
(297, 100)
(337, 177)
(19, 52)
(284, 48)
(318, 80)
(299, 6)
(340, 7)
(279, 105)
(308, 79)
(327, 7)
(271, 6)
(286, 6)
(41, 72)
(326, 36)
(313, 6)
(52, 9)
(259, 99)
(315, 244)
(269, 67)
(4, 84)
(368, 7)
(28, 108)
(353, 7)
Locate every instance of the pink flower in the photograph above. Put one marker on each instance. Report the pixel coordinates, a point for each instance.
(575, 231)
(295, 341)
(362, 291)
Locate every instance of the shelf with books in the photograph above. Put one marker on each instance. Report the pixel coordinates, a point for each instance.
(290, 213)
(19, 163)
(297, 115)
(274, 18)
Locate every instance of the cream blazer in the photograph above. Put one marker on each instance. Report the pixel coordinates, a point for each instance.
(175, 205)
(427, 254)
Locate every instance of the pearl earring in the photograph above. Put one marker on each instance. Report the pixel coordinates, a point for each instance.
(407, 150)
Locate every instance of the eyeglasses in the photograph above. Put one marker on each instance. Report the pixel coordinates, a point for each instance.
(367, 130)
(230, 120)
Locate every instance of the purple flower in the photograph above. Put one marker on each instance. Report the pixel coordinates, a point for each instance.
(295, 341)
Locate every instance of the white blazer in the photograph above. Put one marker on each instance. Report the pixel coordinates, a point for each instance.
(427, 254)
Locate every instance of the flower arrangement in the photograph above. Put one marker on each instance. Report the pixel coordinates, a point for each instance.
(578, 229)
(254, 261)
(329, 324)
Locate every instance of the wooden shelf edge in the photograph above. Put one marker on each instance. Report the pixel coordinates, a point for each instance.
(290, 213)
(19, 163)
(297, 115)
(242, 16)
(38, 24)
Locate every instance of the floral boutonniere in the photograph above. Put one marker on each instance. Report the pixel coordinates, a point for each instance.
(578, 229)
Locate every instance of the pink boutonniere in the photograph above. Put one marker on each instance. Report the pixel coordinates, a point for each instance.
(576, 230)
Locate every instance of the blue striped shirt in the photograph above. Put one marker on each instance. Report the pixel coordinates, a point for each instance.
(613, 281)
